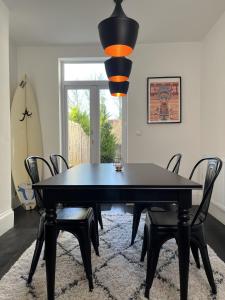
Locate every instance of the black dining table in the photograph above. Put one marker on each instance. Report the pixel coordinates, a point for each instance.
(102, 184)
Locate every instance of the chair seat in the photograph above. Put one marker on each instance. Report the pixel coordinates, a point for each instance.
(165, 208)
(74, 214)
(168, 218)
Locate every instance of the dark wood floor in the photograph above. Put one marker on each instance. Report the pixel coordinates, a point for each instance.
(17, 240)
(14, 242)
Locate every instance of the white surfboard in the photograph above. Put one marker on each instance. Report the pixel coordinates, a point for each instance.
(26, 138)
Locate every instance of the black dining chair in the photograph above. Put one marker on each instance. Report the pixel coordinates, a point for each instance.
(160, 227)
(78, 221)
(173, 165)
(55, 160)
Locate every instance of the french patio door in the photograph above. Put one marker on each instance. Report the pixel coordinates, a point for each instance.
(92, 123)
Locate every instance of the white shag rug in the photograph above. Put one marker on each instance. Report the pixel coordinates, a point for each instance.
(118, 273)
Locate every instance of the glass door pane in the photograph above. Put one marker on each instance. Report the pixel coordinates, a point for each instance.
(110, 126)
(78, 106)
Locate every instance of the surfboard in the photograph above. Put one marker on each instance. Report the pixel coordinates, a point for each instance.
(26, 138)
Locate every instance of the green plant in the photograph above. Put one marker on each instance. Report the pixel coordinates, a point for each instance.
(108, 139)
(82, 118)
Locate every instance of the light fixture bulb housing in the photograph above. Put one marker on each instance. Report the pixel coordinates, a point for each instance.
(118, 33)
(118, 89)
(118, 69)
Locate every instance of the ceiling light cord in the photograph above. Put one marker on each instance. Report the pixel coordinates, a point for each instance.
(118, 1)
(118, 11)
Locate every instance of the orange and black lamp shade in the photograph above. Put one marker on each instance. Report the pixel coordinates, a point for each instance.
(118, 89)
(118, 33)
(118, 69)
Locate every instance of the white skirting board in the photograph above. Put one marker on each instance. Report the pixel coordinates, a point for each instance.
(6, 221)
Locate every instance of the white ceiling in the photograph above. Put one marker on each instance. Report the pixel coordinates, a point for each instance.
(49, 22)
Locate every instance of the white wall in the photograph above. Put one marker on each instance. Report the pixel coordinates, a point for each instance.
(12, 68)
(13, 85)
(213, 106)
(158, 142)
(6, 214)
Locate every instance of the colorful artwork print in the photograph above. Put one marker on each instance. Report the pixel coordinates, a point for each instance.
(164, 100)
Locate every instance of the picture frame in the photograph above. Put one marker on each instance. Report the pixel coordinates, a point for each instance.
(164, 100)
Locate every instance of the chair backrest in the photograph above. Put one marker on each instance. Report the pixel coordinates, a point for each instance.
(31, 165)
(55, 159)
(212, 171)
(175, 161)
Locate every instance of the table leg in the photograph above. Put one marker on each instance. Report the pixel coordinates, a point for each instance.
(183, 250)
(50, 251)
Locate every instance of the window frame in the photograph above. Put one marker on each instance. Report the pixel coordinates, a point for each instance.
(94, 85)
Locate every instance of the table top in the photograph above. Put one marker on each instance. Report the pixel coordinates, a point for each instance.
(137, 176)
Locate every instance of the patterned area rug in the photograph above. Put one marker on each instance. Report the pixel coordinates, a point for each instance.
(118, 274)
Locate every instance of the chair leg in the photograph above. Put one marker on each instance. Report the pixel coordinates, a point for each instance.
(208, 268)
(194, 250)
(37, 253)
(144, 245)
(152, 260)
(94, 237)
(137, 210)
(85, 248)
(95, 210)
(99, 216)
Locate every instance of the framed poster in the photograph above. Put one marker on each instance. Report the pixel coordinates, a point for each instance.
(164, 100)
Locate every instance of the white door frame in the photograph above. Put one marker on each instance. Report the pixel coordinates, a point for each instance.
(94, 87)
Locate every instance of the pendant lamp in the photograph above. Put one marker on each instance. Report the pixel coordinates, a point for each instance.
(118, 69)
(118, 89)
(118, 33)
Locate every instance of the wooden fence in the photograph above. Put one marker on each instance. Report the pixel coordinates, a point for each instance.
(79, 144)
